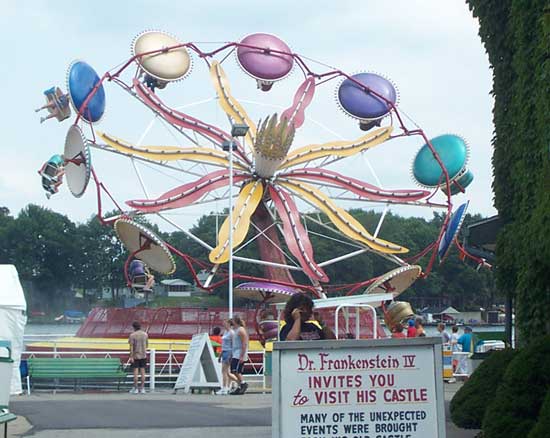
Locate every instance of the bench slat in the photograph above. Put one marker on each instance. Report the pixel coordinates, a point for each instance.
(74, 368)
(7, 417)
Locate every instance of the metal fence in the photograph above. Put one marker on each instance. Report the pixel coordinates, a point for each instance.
(163, 366)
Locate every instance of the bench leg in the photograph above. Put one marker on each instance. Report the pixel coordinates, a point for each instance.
(6, 430)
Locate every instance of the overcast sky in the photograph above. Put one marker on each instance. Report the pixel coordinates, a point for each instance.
(429, 48)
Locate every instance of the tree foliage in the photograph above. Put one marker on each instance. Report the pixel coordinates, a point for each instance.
(520, 396)
(54, 256)
(469, 404)
(516, 35)
(43, 246)
(543, 422)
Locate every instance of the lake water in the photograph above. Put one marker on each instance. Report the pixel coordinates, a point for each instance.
(51, 329)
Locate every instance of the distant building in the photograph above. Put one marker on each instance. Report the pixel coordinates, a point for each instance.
(442, 314)
(106, 293)
(177, 288)
(471, 317)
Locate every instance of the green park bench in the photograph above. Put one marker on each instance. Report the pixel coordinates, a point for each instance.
(75, 369)
(5, 418)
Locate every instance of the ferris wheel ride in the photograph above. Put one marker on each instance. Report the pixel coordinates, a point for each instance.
(277, 177)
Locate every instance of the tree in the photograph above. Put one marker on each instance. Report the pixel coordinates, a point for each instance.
(516, 35)
(5, 221)
(102, 257)
(43, 246)
(54, 255)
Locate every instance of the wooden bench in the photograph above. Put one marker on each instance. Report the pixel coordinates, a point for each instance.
(75, 369)
(5, 418)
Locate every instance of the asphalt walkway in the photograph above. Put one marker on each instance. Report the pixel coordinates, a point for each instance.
(122, 415)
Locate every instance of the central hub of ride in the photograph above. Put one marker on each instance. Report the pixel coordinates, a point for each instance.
(273, 141)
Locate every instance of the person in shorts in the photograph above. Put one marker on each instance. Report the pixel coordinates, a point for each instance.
(225, 356)
(139, 341)
(239, 355)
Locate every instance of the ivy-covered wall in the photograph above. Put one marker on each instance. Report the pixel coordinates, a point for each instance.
(516, 35)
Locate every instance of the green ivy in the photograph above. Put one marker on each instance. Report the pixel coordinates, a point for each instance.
(469, 404)
(516, 406)
(516, 35)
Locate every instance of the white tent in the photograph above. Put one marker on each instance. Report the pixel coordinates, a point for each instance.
(13, 317)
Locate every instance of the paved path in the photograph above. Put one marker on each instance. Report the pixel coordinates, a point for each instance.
(119, 415)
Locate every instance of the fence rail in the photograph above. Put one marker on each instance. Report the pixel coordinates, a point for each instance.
(163, 366)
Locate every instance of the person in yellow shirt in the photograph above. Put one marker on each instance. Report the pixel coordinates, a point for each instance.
(298, 325)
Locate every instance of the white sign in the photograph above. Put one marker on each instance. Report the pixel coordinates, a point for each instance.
(358, 389)
(200, 368)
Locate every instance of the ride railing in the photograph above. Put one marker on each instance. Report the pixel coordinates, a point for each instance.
(163, 366)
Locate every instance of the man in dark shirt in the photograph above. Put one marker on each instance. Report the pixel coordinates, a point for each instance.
(298, 325)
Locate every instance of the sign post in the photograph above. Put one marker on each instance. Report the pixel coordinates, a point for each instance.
(358, 389)
(200, 368)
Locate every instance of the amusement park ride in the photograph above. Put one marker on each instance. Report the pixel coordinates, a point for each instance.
(275, 177)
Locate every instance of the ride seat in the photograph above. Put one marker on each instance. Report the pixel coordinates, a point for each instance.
(139, 281)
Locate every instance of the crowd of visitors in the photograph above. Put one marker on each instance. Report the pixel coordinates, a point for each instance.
(300, 322)
(232, 353)
(415, 329)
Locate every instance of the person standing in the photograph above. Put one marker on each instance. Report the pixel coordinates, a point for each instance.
(468, 345)
(411, 329)
(454, 346)
(420, 332)
(445, 337)
(397, 331)
(225, 356)
(239, 355)
(215, 337)
(467, 340)
(454, 338)
(139, 341)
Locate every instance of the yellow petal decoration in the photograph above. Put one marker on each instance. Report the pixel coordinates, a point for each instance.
(229, 104)
(346, 223)
(171, 153)
(336, 148)
(247, 202)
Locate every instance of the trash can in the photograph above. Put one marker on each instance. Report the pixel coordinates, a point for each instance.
(6, 371)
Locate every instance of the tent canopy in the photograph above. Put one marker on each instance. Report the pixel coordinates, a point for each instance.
(12, 319)
(450, 311)
(11, 292)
